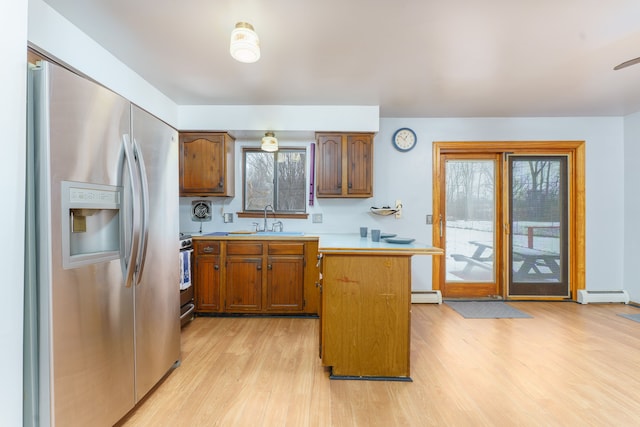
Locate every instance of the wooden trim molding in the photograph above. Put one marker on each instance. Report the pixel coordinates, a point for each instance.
(574, 150)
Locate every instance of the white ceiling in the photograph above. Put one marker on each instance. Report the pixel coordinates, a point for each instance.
(413, 58)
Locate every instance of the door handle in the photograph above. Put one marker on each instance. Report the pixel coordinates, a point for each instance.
(128, 260)
(144, 197)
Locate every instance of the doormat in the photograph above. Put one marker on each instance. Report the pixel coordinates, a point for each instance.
(486, 310)
(634, 317)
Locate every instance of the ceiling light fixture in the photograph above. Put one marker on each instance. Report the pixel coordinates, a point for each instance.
(245, 45)
(269, 142)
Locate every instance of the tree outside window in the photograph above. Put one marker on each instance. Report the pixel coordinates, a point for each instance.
(275, 178)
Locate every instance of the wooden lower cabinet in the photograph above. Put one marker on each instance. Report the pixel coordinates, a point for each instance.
(243, 277)
(207, 275)
(271, 277)
(285, 275)
(243, 284)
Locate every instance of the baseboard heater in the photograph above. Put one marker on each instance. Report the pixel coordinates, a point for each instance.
(426, 297)
(590, 297)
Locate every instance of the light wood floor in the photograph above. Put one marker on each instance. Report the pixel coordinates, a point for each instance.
(570, 365)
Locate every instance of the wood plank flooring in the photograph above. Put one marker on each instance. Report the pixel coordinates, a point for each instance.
(570, 365)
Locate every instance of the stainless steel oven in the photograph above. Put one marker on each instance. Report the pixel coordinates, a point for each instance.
(187, 306)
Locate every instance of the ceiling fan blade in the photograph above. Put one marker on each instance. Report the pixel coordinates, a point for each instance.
(627, 64)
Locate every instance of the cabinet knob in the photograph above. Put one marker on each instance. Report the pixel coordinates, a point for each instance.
(216, 267)
(207, 249)
(259, 267)
(268, 266)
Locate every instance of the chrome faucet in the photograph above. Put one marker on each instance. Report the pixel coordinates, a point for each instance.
(265, 216)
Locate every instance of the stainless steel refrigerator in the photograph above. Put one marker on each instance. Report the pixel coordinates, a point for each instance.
(102, 292)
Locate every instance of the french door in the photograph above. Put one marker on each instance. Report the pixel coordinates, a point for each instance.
(470, 222)
(537, 216)
(510, 217)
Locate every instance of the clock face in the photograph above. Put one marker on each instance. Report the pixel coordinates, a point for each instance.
(404, 139)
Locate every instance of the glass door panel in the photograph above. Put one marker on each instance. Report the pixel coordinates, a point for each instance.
(469, 226)
(538, 224)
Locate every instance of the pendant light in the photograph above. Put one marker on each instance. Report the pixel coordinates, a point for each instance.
(245, 45)
(269, 142)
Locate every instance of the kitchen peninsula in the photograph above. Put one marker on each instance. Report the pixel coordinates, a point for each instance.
(365, 291)
(366, 306)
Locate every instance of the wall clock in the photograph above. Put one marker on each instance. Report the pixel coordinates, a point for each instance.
(404, 139)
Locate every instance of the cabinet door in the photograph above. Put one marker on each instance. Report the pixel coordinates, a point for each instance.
(202, 164)
(243, 284)
(207, 283)
(329, 166)
(360, 165)
(285, 279)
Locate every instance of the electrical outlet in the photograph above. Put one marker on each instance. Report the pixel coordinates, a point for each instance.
(429, 219)
(228, 217)
(316, 218)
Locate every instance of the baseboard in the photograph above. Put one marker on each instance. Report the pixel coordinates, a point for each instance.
(590, 297)
(426, 297)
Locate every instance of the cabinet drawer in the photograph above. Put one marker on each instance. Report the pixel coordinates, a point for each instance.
(207, 248)
(244, 248)
(288, 248)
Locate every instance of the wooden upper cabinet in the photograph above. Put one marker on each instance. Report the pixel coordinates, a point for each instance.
(344, 165)
(206, 164)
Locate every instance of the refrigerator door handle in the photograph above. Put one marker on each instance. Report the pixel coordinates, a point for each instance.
(144, 229)
(129, 262)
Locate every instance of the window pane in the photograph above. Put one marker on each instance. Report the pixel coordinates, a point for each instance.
(291, 181)
(258, 187)
(277, 179)
(470, 220)
(537, 207)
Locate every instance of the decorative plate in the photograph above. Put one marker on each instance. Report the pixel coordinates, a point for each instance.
(383, 210)
(400, 240)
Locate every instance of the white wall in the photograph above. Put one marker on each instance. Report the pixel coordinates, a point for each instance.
(408, 177)
(13, 22)
(632, 205)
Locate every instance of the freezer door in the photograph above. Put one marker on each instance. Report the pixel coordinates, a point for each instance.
(86, 336)
(157, 292)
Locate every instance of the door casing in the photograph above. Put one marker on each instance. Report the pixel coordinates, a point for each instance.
(575, 152)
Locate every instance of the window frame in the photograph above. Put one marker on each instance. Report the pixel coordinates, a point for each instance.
(258, 213)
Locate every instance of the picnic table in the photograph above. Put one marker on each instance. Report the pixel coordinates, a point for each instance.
(536, 264)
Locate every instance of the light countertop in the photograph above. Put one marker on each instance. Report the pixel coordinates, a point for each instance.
(332, 242)
(346, 243)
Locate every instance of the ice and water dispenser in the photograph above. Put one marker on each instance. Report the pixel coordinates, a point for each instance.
(90, 223)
